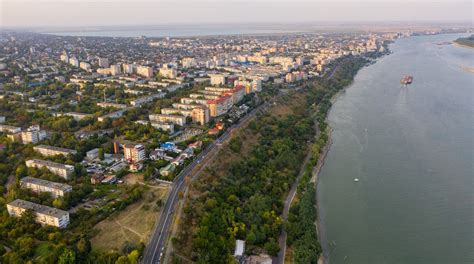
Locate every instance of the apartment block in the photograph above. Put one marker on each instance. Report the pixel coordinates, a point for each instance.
(46, 150)
(175, 119)
(201, 115)
(9, 129)
(134, 152)
(220, 106)
(62, 170)
(45, 215)
(145, 71)
(39, 185)
(33, 135)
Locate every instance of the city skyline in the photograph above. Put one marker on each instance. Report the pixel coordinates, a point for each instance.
(26, 13)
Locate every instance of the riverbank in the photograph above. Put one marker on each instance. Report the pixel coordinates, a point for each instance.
(402, 152)
(324, 257)
(461, 45)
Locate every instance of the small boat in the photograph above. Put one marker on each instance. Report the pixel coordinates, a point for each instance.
(356, 180)
(408, 79)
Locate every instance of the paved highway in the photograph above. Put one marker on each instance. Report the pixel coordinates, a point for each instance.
(155, 249)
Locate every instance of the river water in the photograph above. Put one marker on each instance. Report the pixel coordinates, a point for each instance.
(412, 150)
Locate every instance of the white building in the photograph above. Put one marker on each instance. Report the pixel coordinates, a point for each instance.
(33, 135)
(175, 119)
(188, 63)
(128, 68)
(62, 170)
(46, 150)
(145, 71)
(168, 72)
(115, 69)
(85, 66)
(45, 215)
(134, 152)
(74, 62)
(9, 129)
(39, 185)
(217, 79)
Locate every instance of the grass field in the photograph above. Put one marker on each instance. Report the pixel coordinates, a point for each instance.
(134, 224)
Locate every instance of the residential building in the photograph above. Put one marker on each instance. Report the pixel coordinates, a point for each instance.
(188, 63)
(39, 185)
(201, 115)
(62, 170)
(9, 129)
(220, 106)
(45, 215)
(128, 68)
(64, 58)
(168, 72)
(217, 79)
(134, 152)
(46, 150)
(33, 135)
(74, 62)
(163, 126)
(175, 119)
(146, 99)
(256, 85)
(104, 62)
(115, 105)
(115, 69)
(85, 66)
(145, 71)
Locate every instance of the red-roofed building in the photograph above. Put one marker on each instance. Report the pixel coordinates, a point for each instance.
(220, 106)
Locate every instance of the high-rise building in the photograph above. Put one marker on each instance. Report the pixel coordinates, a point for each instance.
(200, 115)
(74, 62)
(128, 68)
(64, 58)
(217, 79)
(145, 71)
(134, 152)
(168, 72)
(256, 85)
(188, 62)
(85, 66)
(33, 135)
(115, 69)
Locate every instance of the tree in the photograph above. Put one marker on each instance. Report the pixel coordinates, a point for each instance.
(21, 171)
(67, 257)
(101, 154)
(83, 246)
(133, 257)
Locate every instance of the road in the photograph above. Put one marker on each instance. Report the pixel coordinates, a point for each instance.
(155, 248)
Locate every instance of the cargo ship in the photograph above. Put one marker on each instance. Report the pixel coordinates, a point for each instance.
(408, 79)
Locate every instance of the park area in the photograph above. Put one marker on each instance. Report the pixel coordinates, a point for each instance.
(132, 225)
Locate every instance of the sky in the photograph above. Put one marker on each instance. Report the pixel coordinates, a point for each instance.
(76, 13)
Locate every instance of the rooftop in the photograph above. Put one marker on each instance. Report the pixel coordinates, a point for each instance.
(55, 185)
(38, 208)
(55, 148)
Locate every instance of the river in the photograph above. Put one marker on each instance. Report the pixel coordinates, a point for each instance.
(412, 150)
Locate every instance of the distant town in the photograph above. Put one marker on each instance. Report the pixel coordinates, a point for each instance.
(93, 126)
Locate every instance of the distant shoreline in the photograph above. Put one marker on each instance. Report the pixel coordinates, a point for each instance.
(457, 44)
